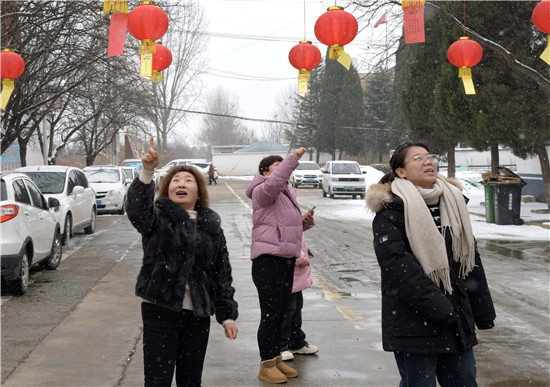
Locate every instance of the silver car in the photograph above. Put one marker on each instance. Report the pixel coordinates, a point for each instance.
(342, 177)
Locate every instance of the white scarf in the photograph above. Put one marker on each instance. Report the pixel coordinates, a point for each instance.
(427, 243)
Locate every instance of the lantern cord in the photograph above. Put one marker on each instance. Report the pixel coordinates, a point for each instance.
(6, 23)
(304, 19)
(464, 18)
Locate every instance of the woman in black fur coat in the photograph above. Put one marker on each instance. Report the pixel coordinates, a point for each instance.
(185, 276)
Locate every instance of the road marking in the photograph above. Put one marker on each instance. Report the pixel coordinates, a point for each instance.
(127, 251)
(238, 197)
(333, 296)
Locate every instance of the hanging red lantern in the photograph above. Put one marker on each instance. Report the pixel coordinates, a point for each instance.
(541, 20)
(304, 57)
(162, 58)
(11, 67)
(147, 23)
(464, 54)
(336, 28)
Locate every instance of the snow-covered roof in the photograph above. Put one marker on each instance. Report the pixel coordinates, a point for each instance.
(264, 146)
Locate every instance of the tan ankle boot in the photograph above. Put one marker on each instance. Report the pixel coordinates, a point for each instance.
(288, 371)
(269, 372)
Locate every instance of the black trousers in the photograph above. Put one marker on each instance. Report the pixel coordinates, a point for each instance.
(292, 335)
(173, 340)
(273, 277)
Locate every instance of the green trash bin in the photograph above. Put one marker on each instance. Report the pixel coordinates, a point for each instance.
(489, 203)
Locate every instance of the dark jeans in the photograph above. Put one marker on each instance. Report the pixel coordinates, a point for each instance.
(293, 337)
(451, 369)
(273, 277)
(211, 179)
(173, 340)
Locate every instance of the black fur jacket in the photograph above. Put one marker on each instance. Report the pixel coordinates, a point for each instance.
(417, 316)
(179, 250)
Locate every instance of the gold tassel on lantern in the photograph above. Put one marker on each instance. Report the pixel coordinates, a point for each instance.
(157, 76)
(337, 52)
(7, 89)
(465, 73)
(117, 6)
(303, 77)
(146, 63)
(546, 53)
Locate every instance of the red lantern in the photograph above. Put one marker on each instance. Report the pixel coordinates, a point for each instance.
(541, 20)
(465, 53)
(304, 57)
(336, 28)
(147, 23)
(162, 58)
(11, 67)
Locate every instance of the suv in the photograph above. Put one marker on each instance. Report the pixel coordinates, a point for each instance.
(110, 184)
(70, 186)
(343, 177)
(307, 173)
(30, 231)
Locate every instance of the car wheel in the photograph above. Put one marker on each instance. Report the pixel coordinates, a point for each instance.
(362, 196)
(68, 231)
(91, 227)
(21, 284)
(354, 197)
(55, 255)
(122, 209)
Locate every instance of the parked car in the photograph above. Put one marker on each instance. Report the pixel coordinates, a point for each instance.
(136, 163)
(131, 172)
(69, 185)
(342, 177)
(307, 173)
(110, 184)
(30, 231)
(161, 172)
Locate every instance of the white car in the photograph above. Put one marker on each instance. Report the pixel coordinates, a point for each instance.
(30, 232)
(307, 173)
(131, 172)
(69, 185)
(136, 163)
(160, 173)
(343, 177)
(110, 184)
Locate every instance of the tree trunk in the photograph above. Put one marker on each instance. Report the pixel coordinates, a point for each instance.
(545, 169)
(90, 160)
(494, 159)
(23, 154)
(451, 162)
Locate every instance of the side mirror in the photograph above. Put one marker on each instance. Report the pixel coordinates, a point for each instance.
(53, 202)
(127, 181)
(77, 190)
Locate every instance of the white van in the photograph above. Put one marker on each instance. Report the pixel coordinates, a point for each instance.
(343, 177)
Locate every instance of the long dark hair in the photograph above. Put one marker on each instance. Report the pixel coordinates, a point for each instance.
(267, 161)
(203, 192)
(397, 159)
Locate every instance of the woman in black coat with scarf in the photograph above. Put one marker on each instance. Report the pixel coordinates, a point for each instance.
(434, 289)
(185, 276)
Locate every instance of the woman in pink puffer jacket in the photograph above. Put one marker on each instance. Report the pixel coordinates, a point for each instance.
(277, 232)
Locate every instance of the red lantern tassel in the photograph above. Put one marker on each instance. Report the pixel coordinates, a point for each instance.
(545, 56)
(157, 76)
(303, 76)
(146, 63)
(413, 13)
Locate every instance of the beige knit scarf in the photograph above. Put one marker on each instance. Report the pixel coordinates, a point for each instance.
(427, 243)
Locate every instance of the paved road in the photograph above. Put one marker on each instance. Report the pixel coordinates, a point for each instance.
(88, 330)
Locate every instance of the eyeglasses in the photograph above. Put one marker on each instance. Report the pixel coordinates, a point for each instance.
(421, 159)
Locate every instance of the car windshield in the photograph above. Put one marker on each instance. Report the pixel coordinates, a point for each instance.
(102, 176)
(136, 164)
(48, 182)
(308, 166)
(342, 169)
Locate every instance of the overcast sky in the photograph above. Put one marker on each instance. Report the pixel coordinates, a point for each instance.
(249, 45)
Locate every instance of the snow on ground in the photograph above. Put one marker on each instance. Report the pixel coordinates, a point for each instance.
(343, 208)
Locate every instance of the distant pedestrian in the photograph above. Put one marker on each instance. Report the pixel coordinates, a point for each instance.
(293, 338)
(434, 289)
(212, 175)
(185, 276)
(277, 231)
